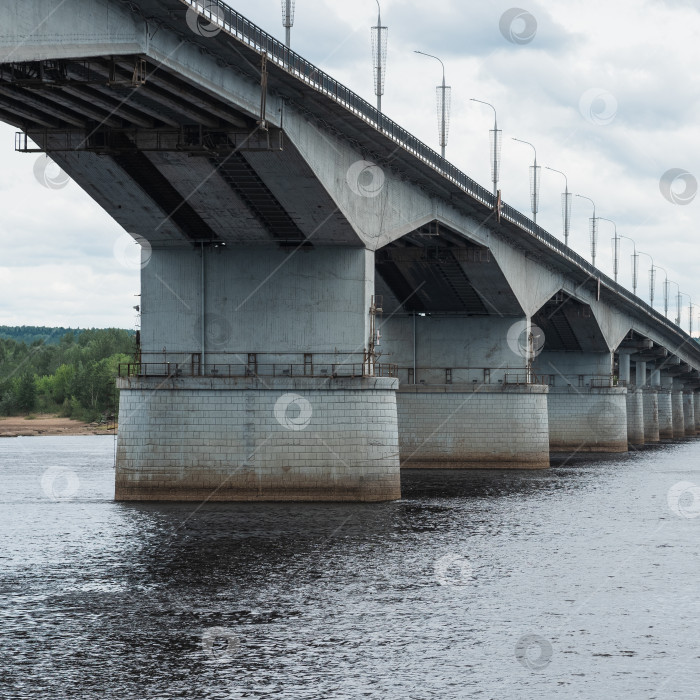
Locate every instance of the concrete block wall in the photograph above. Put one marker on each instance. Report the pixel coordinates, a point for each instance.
(588, 420)
(677, 413)
(651, 415)
(247, 440)
(460, 427)
(665, 414)
(635, 416)
(689, 413)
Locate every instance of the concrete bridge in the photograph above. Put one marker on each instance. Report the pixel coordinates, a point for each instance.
(324, 298)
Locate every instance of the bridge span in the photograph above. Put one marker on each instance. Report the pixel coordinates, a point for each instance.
(324, 298)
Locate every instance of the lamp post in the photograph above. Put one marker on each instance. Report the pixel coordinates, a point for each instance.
(616, 246)
(594, 230)
(288, 19)
(658, 267)
(495, 147)
(534, 182)
(678, 303)
(444, 94)
(379, 45)
(652, 278)
(635, 259)
(690, 310)
(565, 205)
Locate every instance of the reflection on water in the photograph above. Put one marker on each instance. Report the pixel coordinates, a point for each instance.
(579, 582)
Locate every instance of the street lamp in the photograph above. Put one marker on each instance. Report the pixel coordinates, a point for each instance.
(652, 278)
(565, 205)
(616, 246)
(635, 260)
(690, 310)
(594, 230)
(444, 94)
(494, 147)
(678, 303)
(658, 267)
(534, 182)
(288, 19)
(379, 44)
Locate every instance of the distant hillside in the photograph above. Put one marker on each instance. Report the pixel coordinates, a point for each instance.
(50, 336)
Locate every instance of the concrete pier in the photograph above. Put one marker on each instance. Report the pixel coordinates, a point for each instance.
(635, 416)
(696, 410)
(590, 420)
(665, 414)
(473, 427)
(678, 416)
(650, 402)
(689, 413)
(219, 439)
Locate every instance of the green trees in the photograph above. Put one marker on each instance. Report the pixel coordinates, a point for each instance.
(74, 376)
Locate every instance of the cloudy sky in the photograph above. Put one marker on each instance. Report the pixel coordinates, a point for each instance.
(607, 92)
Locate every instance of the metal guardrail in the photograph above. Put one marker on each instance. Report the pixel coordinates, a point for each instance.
(316, 365)
(217, 12)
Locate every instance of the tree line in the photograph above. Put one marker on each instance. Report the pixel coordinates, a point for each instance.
(74, 377)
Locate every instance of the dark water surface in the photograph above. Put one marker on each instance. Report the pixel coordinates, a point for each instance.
(578, 582)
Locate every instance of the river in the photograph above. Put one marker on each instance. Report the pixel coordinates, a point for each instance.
(581, 581)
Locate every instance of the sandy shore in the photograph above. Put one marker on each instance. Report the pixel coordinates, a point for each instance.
(42, 424)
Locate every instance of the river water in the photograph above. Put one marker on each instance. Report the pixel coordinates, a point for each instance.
(578, 582)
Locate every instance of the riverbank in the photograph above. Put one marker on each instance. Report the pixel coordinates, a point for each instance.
(47, 424)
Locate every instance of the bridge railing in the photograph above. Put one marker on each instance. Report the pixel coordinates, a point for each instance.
(269, 364)
(219, 13)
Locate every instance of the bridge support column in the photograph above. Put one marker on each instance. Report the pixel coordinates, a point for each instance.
(678, 416)
(650, 401)
(635, 405)
(689, 413)
(479, 427)
(665, 414)
(294, 418)
(696, 407)
(593, 419)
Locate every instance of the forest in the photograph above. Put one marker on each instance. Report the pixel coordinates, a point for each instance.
(63, 371)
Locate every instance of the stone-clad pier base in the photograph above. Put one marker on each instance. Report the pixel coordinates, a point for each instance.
(651, 415)
(453, 426)
(247, 439)
(589, 419)
(635, 416)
